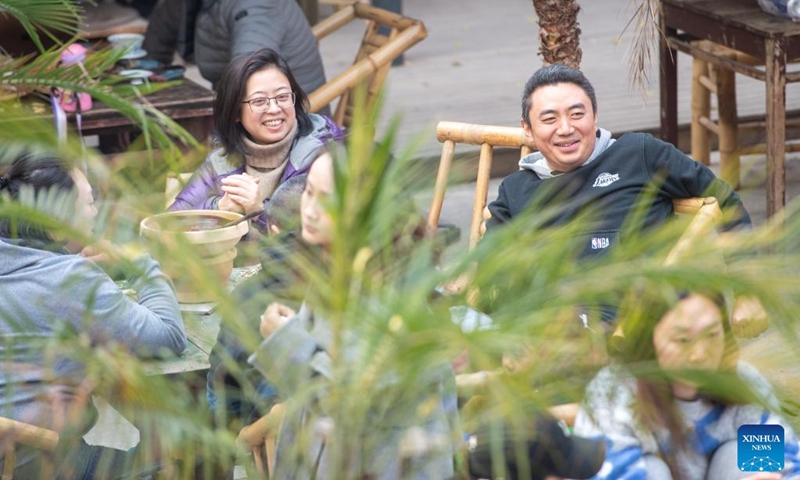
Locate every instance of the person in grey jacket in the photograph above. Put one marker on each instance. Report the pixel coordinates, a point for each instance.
(51, 296)
(211, 32)
(296, 351)
(261, 119)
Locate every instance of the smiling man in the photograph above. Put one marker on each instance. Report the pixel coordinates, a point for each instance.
(578, 165)
(579, 169)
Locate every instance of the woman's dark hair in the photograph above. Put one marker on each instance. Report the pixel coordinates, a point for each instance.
(231, 91)
(39, 172)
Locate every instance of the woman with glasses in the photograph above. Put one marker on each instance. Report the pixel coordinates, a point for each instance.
(266, 133)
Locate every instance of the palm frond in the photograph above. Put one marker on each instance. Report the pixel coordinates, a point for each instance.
(645, 41)
(42, 73)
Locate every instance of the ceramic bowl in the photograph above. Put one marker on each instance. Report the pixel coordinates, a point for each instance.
(197, 227)
(130, 42)
(214, 249)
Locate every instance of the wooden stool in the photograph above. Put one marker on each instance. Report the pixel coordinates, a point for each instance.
(708, 78)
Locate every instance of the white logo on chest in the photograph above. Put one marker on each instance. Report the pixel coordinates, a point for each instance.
(605, 179)
(599, 243)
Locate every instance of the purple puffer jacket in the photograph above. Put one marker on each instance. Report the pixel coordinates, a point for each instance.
(204, 189)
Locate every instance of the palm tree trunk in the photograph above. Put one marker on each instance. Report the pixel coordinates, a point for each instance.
(559, 33)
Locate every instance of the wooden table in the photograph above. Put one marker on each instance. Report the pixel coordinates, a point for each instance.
(202, 327)
(743, 26)
(189, 104)
(201, 330)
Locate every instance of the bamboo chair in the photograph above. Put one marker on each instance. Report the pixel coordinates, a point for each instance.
(706, 211)
(14, 433)
(373, 59)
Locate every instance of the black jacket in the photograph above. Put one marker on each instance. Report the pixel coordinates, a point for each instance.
(609, 187)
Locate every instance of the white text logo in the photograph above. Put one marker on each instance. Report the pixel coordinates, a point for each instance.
(605, 179)
(599, 243)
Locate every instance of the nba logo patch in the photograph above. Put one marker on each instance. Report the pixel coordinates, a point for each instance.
(599, 243)
(760, 448)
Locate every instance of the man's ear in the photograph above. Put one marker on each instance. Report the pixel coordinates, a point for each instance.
(274, 229)
(526, 128)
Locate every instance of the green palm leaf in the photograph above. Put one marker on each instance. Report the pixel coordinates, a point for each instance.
(47, 17)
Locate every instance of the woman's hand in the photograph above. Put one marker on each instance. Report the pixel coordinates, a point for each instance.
(96, 254)
(748, 319)
(275, 316)
(107, 254)
(241, 194)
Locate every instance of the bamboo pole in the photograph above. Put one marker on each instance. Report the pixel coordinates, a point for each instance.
(30, 435)
(334, 22)
(474, 134)
(728, 128)
(481, 193)
(384, 17)
(261, 436)
(702, 223)
(365, 67)
(701, 108)
(442, 177)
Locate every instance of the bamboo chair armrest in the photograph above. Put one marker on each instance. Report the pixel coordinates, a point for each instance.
(30, 435)
(467, 384)
(255, 434)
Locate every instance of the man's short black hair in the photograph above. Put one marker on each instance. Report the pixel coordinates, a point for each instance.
(553, 75)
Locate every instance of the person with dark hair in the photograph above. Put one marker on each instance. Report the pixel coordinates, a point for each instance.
(266, 134)
(276, 281)
(297, 351)
(283, 209)
(51, 293)
(580, 169)
(211, 32)
(673, 408)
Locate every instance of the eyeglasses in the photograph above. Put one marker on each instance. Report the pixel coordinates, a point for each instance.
(261, 104)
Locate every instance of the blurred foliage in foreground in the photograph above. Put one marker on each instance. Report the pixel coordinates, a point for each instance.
(381, 284)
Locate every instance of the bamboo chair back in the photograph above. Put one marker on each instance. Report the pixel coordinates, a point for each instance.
(373, 59)
(488, 137)
(13, 433)
(175, 183)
